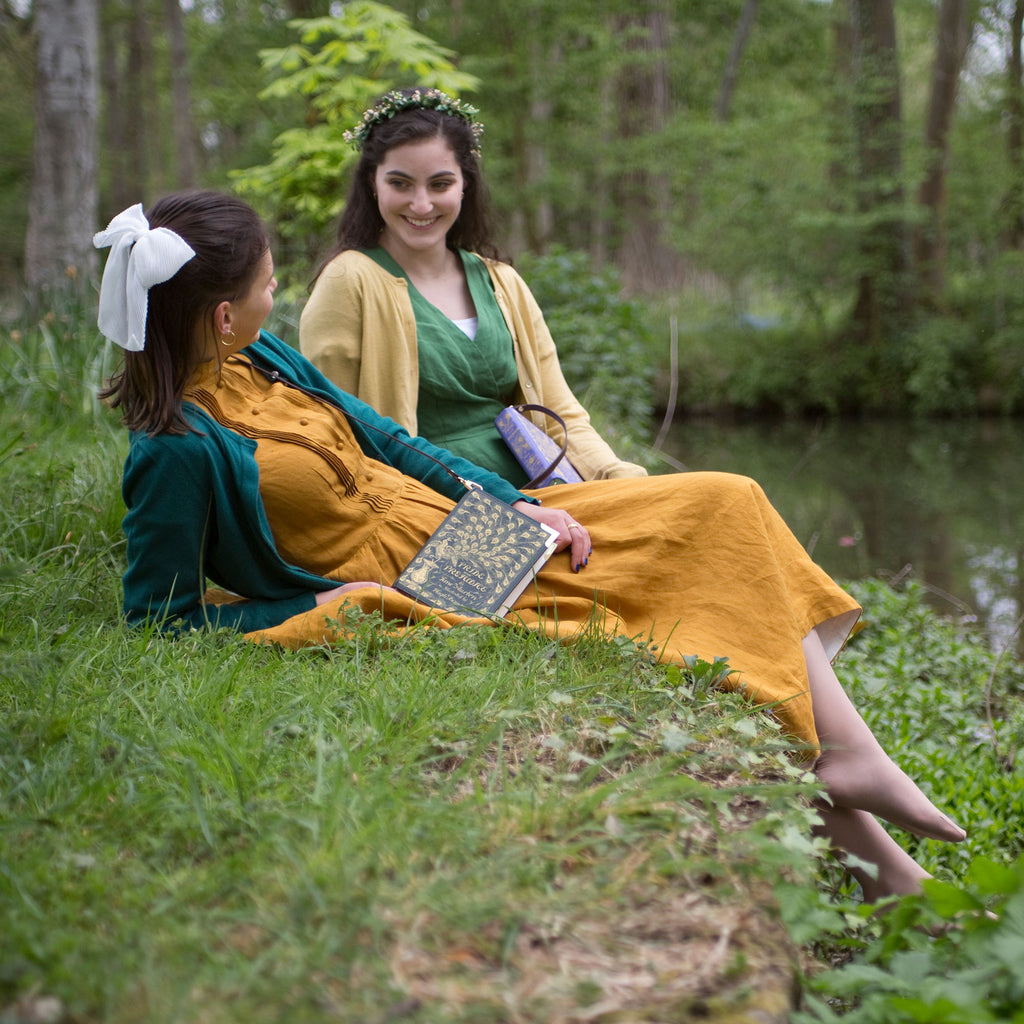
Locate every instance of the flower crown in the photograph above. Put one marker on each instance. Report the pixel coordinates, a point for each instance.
(395, 102)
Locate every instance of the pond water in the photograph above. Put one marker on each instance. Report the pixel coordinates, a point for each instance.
(940, 502)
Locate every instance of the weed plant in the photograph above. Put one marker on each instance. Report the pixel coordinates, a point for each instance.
(446, 826)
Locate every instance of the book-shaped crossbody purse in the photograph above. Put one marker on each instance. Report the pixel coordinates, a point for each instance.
(542, 458)
(480, 559)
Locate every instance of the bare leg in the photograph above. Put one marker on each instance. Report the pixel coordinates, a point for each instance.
(857, 832)
(856, 771)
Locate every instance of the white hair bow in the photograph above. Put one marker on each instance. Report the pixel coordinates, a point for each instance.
(140, 257)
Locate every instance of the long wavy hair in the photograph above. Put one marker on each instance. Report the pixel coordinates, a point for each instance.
(361, 223)
(230, 241)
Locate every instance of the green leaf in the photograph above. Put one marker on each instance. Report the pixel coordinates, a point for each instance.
(948, 900)
(340, 65)
(991, 878)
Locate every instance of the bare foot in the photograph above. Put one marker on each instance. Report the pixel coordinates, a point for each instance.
(866, 778)
(857, 832)
(856, 771)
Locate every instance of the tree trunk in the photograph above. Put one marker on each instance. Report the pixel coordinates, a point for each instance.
(601, 224)
(63, 194)
(723, 108)
(140, 60)
(540, 105)
(181, 96)
(840, 176)
(952, 42)
(844, 45)
(883, 293)
(116, 121)
(1013, 202)
(530, 225)
(646, 261)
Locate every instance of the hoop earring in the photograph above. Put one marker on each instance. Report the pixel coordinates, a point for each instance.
(228, 344)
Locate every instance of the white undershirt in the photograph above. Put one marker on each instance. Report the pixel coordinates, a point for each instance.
(467, 326)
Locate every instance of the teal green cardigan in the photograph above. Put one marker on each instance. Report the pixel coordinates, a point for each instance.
(195, 512)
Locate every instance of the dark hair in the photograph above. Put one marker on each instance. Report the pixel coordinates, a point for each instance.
(361, 223)
(230, 241)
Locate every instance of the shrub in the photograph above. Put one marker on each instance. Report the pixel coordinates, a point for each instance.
(943, 366)
(601, 337)
(919, 969)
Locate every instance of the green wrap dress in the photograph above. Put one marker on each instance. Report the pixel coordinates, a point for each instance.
(464, 382)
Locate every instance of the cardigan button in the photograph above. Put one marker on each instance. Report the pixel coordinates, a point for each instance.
(340, 445)
(255, 412)
(303, 423)
(528, 386)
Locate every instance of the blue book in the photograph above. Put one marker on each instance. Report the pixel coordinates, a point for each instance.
(533, 449)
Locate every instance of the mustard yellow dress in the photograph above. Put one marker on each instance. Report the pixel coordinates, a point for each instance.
(696, 563)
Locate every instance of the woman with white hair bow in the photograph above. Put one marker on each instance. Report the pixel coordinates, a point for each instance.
(249, 468)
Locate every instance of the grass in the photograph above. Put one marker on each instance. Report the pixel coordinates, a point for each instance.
(449, 826)
(208, 826)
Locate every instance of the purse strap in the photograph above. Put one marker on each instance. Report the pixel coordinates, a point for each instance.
(544, 474)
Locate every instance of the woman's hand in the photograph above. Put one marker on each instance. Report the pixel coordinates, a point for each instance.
(570, 533)
(323, 596)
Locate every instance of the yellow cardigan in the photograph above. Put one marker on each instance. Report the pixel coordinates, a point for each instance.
(358, 328)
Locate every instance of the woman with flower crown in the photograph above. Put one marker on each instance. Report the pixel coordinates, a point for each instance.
(249, 469)
(413, 312)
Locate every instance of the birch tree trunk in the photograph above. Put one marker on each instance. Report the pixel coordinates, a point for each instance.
(63, 193)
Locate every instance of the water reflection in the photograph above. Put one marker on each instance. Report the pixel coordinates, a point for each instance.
(941, 501)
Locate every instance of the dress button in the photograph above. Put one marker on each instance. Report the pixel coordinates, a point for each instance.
(528, 386)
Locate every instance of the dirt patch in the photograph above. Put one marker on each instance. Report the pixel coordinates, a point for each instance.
(672, 957)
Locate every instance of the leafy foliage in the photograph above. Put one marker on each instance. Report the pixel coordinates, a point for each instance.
(340, 65)
(942, 366)
(956, 362)
(904, 976)
(601, 337)
(756, 211)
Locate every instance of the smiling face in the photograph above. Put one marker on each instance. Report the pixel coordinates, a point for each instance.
(419, 193)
